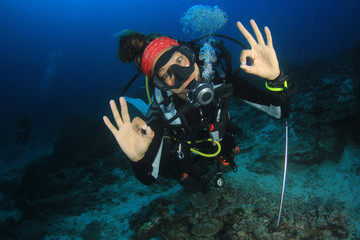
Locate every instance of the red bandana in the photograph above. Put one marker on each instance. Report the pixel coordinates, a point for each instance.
(152, 50)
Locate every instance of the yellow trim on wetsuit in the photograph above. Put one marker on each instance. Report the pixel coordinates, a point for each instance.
(276, 89)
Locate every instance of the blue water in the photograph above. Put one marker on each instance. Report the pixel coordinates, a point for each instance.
(58, 58)
(88, 71)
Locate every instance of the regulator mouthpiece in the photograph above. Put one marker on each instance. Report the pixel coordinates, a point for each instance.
(200, 94)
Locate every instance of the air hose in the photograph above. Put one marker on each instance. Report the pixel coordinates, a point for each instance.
(209, 155)
(285, 168)
(147, 89)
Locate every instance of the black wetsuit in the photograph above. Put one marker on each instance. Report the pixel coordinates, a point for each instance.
(161, 157)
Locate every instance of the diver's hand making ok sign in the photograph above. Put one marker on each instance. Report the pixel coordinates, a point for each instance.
(263, 58)
(133, 137)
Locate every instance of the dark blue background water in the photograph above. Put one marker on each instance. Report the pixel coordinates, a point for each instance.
(72, 45)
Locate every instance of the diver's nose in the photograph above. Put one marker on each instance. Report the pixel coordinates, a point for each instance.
(180, 73)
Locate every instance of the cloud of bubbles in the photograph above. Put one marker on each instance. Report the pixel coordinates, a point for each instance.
(202, 20)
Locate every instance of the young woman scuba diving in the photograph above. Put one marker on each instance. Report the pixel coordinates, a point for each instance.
(188, 122)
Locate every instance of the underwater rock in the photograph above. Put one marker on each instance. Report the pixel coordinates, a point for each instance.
(323, 119)
(68, 180)
(92, 231)
(147, 230)
(205, 202)
(207, 229)
(228, 198)
(332, 147)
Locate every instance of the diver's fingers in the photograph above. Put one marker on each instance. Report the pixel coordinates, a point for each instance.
(124, 110)
(244, 54)
(250, 69)
(116, 113)
(257, 32)
(139, 124)
(150, 133)
(110, 126)
(247, 54)
(246, 34)
(268, 37)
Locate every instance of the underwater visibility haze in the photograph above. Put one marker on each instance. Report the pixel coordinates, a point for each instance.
(63, 176)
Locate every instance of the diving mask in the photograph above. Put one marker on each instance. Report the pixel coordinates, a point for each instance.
(180, 73)
(200, 93)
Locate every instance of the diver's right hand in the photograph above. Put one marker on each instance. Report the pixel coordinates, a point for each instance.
(133, 137)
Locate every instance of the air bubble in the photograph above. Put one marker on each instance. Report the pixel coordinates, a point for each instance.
(202, 20)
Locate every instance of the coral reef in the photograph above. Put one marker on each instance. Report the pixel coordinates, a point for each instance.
(205, 202)
(208, 228)
(241, 214)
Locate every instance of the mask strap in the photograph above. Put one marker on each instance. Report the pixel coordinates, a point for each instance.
(159, 84)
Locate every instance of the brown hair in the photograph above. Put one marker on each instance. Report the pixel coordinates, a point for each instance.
(132, 45)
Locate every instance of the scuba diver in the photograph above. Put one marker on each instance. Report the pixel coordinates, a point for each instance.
(23, 130)
(188, 124)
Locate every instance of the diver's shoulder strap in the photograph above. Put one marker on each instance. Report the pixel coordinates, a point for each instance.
(167, 107)
(223, 90)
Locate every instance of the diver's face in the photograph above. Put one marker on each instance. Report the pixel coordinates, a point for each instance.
(166, 75)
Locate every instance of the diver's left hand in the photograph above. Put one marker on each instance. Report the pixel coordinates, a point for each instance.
(264, 62)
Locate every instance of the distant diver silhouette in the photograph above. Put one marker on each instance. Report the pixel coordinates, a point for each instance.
(23, 130)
